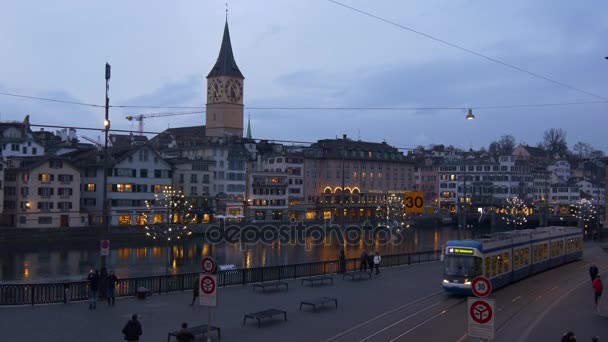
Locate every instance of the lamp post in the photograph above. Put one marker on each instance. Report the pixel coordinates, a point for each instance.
(106, 123)
(342, 152)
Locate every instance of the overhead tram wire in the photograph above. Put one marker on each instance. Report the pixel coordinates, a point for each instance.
(202, 109)
(469, 51)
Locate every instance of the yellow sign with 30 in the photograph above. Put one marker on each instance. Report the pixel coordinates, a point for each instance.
(414, 202)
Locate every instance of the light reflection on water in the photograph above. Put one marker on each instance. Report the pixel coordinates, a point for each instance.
(137, 259)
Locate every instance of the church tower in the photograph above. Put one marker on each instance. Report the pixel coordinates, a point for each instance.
(224, 115)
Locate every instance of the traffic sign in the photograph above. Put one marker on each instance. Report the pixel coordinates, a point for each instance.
(209, 265)
(208, 290)
(414, 202)
(105, 247)
(481, 286)
(481, 317)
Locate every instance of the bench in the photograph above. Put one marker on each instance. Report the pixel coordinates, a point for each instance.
(321, 279)
(276, 284)
(142, 292)
(357, 275)
(197, 330)
(264, 314)
(318, 301)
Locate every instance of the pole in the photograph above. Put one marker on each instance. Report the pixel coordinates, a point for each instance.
(105, 214)
(209, 324)
(343, 184)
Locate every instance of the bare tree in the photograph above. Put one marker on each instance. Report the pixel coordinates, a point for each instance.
(554, 142)
(503, 147)
(582, 150)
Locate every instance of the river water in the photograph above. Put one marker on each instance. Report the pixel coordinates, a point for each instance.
(57, 262)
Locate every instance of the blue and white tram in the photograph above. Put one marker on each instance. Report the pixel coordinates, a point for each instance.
(506, 257)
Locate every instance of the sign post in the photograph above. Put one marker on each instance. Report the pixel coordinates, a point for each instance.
(414, 202)
(208, 289)
(481, 310)
(104, 247)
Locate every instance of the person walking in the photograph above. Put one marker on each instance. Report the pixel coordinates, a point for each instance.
(93, 288)
(370, 262)
(184, 335)
(598, 287)
(595, 339)
(132, 330)
(593, 272)
(363, 266)
(342, 261)
(111, 283)
(377, 259)
(195, 286)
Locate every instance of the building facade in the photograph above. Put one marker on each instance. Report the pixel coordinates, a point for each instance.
(42, 192)
(268, 198)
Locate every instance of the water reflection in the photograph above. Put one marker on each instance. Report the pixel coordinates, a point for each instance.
(137, 259)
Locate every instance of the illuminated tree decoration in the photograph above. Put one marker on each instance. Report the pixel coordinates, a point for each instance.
(585, 211)
(392, 212)
(168, 216)
(515, 212)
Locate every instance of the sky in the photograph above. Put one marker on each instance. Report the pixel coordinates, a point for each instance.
(313, 54)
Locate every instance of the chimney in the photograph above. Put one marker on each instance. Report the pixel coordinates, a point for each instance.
(344, 136)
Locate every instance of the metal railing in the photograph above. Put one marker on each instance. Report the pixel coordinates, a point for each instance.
(31, 294)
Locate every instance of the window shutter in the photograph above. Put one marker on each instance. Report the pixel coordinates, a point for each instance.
(114, 188)
(52, 191)
(52, 177)
(71, 192)
(50, 205)
(40, 176)
(71, 177)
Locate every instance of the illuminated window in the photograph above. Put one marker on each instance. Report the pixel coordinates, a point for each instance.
(124, 187)
(45, 177)
(124, 220)
(91, 187)
(159, 218)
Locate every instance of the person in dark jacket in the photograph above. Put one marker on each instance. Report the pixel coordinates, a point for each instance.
(363, 266)
(93, 279)
(593, 272)
(184, 335)
(112, 280)
(569, 337)
(342, 261)
(195, 286)
(370, 262)
(132, 330)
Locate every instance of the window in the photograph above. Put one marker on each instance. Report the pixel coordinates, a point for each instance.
(90, 187)
(45, 192)
(45, 220)
(143, 155)
(159, 188)
(124, 220)
(55, 164)
(143, 173)
(15, 147)
(22, 219)
(124, 187)
(142, 188)
(64, 206)
(193, 178)
(66, 178)
(64, 192)
(90, 202)
(25, 191)
(24, 150)
(193, 190)
(34, 151)
(46, 177)
(45, 206)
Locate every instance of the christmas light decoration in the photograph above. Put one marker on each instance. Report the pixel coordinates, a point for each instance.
(515, 212)
(392, 212)
(168, 216)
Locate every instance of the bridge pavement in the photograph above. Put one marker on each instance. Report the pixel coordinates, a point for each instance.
(402, 304)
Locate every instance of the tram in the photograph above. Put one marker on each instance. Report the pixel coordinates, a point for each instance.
(507, 257)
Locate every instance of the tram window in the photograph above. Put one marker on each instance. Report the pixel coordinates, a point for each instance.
(526, 255)
(536, 253)
(486, 264)
(457, 265)
(505, 261)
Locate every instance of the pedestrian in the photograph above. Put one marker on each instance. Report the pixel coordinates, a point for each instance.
(598, 287)
(569, 337)
(377, 259)
(593, 272)
(370, 262)
(184, 335)
(112, 280)
(363, 266)
(342, 261)
(195, 286)
(93, 288)
(132, 330)
(595, 339)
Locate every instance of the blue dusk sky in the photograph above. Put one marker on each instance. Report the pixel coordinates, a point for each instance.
(316, 53)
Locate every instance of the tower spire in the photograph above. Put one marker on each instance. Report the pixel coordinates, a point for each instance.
(225, 64)
(249, 126)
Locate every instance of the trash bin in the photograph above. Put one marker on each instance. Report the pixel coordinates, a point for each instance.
(331, 268)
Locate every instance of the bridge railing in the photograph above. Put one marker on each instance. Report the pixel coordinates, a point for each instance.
(47, 293)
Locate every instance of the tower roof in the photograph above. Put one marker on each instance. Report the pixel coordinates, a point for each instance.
(225, 64)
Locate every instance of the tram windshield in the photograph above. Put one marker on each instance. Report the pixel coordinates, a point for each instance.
(463, 266)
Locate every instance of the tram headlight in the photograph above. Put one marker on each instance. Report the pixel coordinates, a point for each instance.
(445, 281)
(467, 281)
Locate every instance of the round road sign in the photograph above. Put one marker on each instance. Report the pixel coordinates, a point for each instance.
(208, 285)
(209, 265)
(105, 244)
(481, 286)
(481, 312)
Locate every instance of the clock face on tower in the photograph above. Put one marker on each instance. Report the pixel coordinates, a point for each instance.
(214, 91)
(234, 90)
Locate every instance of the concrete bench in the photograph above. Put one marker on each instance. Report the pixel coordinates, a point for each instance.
(196, 331)
(318, 301)
(276, 284)
(317, 279)
(143, 292)
(357, 275)
(264, 314)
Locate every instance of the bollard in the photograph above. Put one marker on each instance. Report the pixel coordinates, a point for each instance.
(66, 293)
